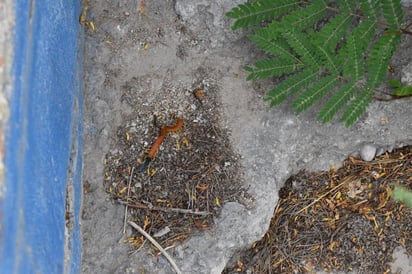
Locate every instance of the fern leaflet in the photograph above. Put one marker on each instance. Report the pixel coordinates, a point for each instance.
(314, 93)
(370, 9)
(336, 102)
(290, 86)
(356, 108)
(268, 67)
(346, 6)
(392, 11)
(264, 39)
(331, 61)
(354, 67)
(379, 59)
(303, 48)
(329, 36)
(306, 17)
(253, 13)
(364, 34)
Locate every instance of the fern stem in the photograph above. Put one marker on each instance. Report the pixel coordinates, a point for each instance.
(405, 29)
(380, 22)
(338, 10)
(394, 97)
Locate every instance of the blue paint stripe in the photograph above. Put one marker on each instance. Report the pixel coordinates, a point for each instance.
(45, 112)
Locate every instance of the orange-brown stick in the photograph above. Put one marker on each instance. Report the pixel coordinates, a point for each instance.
(163, 133)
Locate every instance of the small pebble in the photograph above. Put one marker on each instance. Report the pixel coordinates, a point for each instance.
(380, 151)
(162, 232)
(368, 152)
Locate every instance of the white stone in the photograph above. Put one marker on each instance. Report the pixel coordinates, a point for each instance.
(368, 152)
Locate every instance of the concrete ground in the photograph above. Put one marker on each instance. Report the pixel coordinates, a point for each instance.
(151, 39)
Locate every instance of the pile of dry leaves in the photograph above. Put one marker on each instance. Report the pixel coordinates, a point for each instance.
(193, 173)
(340, 220)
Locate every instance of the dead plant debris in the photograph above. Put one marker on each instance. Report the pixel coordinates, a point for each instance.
(192, 174)
(339, 220)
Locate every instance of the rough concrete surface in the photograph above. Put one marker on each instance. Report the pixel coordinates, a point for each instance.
(153, 39)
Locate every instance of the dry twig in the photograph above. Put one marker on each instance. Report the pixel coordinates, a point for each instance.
(127, 205)
(166, 209)
(323, 195)
(157, 245)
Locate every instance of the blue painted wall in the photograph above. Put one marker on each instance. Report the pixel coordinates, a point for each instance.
(43, 140)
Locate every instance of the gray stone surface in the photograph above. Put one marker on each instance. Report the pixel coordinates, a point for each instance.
(402, 262)
(273, 143)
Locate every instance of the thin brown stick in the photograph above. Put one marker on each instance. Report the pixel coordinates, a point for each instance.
(325, 194)
(127, 198)
(157, 245)
(166, 209)
(394, 97)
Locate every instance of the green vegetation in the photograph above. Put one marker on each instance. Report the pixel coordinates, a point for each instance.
(335, 49)
(401, 194)
(399, 89)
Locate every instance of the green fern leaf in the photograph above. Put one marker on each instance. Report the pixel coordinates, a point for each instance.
(321, 47)
(268, 67)
(306, 17)
(256, 12)
(329, 36)
(392, 11)
(314, 93)
(356, 108)
(379, 59)
(265, 39)
(291, 85)
(303, 48)
(336, 102)
(332, 61)
(371, 9)
(354, 68)
(351, 56)
(364, 33)
(347, 6)
(350, 49)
